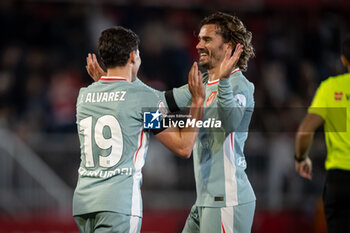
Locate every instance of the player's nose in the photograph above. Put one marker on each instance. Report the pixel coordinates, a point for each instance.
(200, 45)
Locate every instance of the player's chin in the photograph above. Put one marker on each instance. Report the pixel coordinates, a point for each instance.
(204, 64)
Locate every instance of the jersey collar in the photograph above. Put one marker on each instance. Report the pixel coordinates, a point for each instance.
(112, 78)
(217, 80)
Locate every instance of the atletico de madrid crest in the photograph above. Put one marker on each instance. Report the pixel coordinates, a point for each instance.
(338, 96)
(210, 98)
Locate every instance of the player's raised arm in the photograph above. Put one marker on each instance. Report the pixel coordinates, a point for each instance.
(181, 141)
(233, 95)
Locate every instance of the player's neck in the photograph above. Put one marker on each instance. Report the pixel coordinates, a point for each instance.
(214, 73)
(124, 72)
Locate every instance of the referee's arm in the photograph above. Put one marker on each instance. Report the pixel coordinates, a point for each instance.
(303, 141)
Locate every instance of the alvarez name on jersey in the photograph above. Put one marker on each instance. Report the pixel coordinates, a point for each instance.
(113, 146)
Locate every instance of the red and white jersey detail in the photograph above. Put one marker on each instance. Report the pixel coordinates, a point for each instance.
(217, 80)
(139, 146)
(139, 161)
(230, 171)
(235, 70)
(227, 219)
(134, 224)
(112, 78)
(213, 82)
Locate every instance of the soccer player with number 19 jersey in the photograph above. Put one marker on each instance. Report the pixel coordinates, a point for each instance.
(110, 115)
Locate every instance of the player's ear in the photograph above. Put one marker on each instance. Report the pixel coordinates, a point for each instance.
(133, 56)
(344, 61)
(232, 46)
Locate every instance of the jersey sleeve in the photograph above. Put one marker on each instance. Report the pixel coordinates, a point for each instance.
(159, 94)
(319, 103)
(233, 97)
(174, 100)
(182, 96)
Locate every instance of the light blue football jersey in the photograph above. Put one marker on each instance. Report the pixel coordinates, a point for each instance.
(113, 146)
(218, 157)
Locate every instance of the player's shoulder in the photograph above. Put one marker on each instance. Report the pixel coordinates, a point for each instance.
(82, 89)
(140, 88)
(147, 98)
(92, 86)
(336, 80)
(240, 79)
(143, 92)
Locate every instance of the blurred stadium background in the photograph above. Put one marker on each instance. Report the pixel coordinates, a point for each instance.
(42, 66)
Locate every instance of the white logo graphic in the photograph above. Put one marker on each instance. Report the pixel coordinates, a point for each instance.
(151, 120)
(241, 100)
(241, 162)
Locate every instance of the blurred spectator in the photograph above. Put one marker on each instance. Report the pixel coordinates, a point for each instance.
(63, 92)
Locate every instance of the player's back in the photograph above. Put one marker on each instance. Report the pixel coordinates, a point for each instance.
(113, 146)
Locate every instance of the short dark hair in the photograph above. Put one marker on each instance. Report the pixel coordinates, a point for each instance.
(115, 45)
(233, 30)
(346, 48)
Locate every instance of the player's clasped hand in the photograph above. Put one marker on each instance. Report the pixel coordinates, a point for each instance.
(195, 84)
(230, 62)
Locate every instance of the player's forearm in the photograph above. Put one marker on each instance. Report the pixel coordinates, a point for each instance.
(305, 135)
(303, 143)
(181, 142)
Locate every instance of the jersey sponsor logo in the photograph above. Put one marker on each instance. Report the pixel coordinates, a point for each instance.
(241, 162)
(151, 120)
(210, 98)
(104, 173)
(338, 96)
(99, 97)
